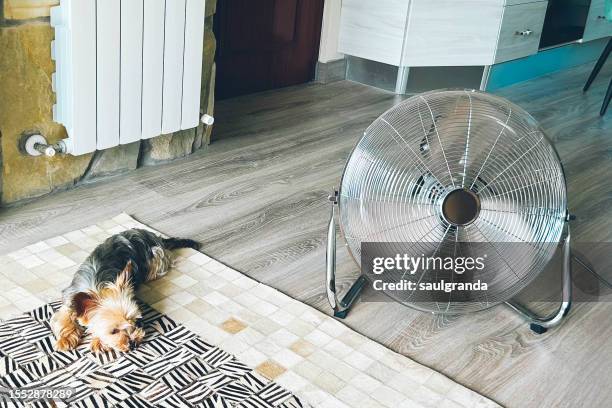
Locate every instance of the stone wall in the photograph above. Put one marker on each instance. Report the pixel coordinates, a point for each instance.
(26, 101)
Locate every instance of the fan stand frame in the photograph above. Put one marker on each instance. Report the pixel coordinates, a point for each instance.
(538, 324)
(340, 307)
(541, 324)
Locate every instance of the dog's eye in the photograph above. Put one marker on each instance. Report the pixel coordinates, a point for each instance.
(115, 331)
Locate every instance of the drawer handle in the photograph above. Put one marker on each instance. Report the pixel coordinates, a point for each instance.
(601, 17)
(524, 32)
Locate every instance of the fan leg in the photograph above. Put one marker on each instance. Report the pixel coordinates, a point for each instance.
(340, 307)
(540, 324)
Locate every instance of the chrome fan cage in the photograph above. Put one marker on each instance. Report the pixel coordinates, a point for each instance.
(457, 166)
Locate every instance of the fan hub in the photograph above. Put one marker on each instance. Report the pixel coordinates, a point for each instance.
(460, 207)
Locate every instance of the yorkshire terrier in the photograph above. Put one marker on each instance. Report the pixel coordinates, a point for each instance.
(101, 297)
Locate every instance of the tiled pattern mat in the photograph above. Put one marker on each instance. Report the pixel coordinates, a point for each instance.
(289, 344)
(172, 368)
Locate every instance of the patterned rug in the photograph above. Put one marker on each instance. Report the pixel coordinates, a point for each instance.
(172, 368)
(215, 338)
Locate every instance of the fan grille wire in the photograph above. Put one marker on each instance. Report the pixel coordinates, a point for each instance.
(411, 156)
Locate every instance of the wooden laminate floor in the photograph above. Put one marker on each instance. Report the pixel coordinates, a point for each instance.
(256, 199)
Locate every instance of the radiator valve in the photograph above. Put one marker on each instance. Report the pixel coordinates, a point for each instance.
(36, 145)
(207, 119)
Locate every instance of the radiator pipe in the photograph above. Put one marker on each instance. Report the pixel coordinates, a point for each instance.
(36, 144)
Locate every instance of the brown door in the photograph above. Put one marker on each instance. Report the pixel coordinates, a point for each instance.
(265, 44)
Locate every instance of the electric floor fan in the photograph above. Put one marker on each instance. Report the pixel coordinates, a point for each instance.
(456, 166)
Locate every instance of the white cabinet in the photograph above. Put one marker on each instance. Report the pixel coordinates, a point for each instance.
(413, 33)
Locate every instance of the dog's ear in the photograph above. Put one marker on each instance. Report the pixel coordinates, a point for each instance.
(83, 303)
(123, 279)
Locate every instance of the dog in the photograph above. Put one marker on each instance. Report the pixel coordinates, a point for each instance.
(101, 299)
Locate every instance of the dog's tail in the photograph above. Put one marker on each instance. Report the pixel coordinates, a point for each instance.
(175, 243)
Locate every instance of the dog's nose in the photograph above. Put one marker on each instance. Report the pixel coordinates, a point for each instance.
(132, 345)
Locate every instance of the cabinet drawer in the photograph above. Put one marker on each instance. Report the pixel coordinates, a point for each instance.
(597, 26)
(452, 33)
(520, 31)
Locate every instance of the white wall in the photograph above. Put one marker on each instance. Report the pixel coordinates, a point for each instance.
(328, 49)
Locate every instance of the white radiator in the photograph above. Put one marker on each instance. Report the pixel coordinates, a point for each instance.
(126, 69)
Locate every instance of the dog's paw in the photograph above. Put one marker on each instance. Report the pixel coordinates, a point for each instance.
(96, 346)
(66, 343)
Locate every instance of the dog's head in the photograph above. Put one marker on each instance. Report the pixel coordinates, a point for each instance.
(111, 314)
